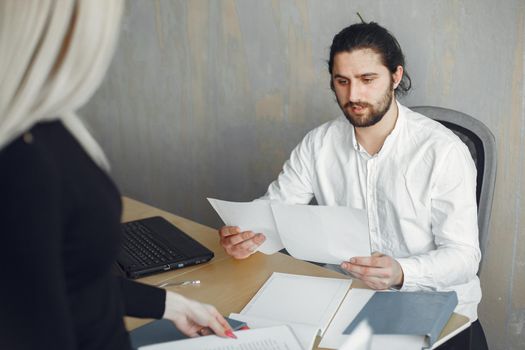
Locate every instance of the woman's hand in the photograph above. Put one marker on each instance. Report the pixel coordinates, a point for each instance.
(193, 318)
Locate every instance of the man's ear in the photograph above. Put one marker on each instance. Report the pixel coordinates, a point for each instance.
(397, 76)
(332, 84)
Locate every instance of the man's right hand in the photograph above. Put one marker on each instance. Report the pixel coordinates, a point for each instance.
(237, 244)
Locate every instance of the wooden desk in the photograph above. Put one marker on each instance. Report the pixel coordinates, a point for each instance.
(227, 283)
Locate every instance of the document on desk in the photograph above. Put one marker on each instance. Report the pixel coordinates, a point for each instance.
(399, 320)
(291, 298)
(422, 313)
(275, 338)
(324, 234)
(353, 303)
(305, 333)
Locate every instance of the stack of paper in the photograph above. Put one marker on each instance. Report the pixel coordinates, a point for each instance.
(323, 234)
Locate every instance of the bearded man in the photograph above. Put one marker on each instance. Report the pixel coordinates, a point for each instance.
(415, 178)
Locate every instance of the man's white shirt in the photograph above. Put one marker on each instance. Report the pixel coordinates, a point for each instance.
(419, 191)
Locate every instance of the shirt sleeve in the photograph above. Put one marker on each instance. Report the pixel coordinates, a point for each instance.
(141, 300)
(454, 226)
(33, 301)
(294, 183)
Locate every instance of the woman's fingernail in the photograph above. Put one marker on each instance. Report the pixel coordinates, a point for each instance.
(230, 334)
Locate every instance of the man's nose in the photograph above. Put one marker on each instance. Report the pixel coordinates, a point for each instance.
(354, 93)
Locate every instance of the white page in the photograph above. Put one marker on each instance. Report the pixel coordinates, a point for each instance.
(275, 338)
(323, 234)
(360, 339)
(304, 333)
(253, 216)
(450, 335)
(298, 299)
(397, 342)
(354, 301)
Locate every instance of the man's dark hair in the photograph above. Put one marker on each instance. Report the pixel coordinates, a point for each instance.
(372, 36)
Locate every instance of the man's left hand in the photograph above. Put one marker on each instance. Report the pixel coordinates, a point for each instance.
(378, 271)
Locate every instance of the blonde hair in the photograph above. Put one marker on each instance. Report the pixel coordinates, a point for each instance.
(53, 56)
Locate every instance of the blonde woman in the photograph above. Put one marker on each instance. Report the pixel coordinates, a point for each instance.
(59, 210)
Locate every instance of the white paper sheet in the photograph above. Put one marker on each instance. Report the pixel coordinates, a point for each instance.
(304, 333)
(382, 342)
(360, 339)
(450, 335)
(397, 342)
(354, 301)
(298, 299)
(322, 234)
(253, 216)
(276, 338)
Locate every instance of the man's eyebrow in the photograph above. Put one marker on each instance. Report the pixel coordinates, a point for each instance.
(364, 75)
(368, 75)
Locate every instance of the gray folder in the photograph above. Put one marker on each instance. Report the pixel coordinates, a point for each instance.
(407, 313)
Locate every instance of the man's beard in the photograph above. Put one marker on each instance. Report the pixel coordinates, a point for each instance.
(373, 115)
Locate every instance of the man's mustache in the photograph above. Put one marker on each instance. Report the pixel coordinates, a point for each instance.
(351, 104)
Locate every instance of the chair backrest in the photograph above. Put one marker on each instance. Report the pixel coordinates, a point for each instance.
(482, 146)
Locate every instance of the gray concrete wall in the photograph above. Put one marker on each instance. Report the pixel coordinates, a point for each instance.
(207, 98)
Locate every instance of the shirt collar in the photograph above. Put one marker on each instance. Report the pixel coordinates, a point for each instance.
(354, 138)
(393, 136)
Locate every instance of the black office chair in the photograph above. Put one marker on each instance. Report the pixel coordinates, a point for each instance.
(482, 146)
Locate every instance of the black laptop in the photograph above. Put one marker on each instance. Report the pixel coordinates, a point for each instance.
(154, 245)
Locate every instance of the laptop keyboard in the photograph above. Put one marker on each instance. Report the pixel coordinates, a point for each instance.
(144, 248)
